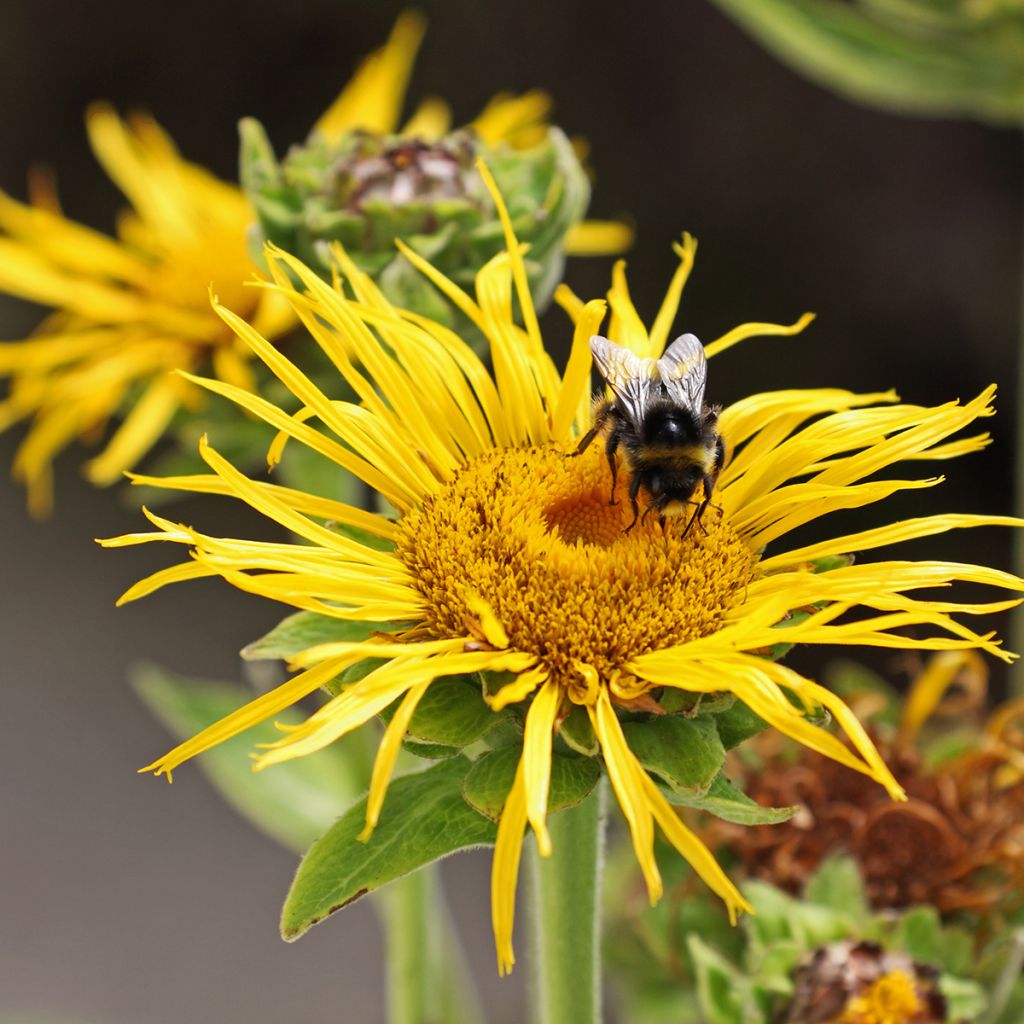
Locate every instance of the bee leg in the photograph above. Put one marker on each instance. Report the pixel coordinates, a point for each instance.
(604, 413)
(634, 490)
(610, 449)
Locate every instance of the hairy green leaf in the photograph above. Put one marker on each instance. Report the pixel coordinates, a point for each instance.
(424, 818)
(686, 753)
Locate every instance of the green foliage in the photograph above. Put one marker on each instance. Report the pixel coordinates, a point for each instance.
(683, 962)
(425, 818)
(303, 630)
(685, 753)
(725, 800)
(488, 782)
(925, 57)
(294, 802)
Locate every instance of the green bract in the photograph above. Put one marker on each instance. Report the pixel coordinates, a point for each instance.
(367, 189)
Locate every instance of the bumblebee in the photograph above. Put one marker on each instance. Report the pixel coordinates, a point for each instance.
(657, 416)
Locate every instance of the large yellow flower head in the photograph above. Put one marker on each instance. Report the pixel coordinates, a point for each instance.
(505, 556)
(126, 311)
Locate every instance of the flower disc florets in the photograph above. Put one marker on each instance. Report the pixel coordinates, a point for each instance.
(538, 542)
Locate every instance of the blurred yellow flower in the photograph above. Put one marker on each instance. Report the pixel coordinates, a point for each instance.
(506, 556)
(128, 310)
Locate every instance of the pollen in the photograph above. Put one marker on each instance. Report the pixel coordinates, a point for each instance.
(534, 535)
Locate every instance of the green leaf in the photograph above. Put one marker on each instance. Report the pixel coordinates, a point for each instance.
(738, 723)
(303, 630)
(424, 818)
(294, 802)
(965, 999)
(489, 780)
(924, 58)
(453, 713)
(686, 752)
(722, 989)
(919, 933)
(838, 884)
(725, 800)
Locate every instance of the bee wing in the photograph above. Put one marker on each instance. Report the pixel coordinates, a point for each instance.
(631, 378)
(684, 370)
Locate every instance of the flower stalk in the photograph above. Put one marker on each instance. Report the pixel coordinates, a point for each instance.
(565, 888)
(427, 979)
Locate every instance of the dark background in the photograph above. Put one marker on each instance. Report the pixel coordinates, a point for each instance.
(125, 902)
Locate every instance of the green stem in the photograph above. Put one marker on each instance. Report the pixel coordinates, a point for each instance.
(427, 978)
(566, 917)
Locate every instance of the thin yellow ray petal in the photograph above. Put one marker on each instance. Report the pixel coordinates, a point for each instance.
(448, 288)
(575, 387)
(387, 753)
(431, 119)
(763, 421)
(265, 502)
(599, 238)
(310, 504)
(230, 366)
(658, 339)
(893, 533)
(69, 244)
(138, 432)
(374, 95)
(254, 712)
(569, 301)
(508, 849)
(755, 330)
(40, 354)
(270, 413)
(536, 760)
(376, 691)
(147, 182)
(697, 855)
(622, 771)
(626, 328)
(943, 670)
(507, 115)
(174, 574)
(518, 690)
(544, 371)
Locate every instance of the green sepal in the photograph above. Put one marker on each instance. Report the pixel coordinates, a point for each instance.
(738, 723)
(686, 753)
(295, 801)
(303, 630)
(424, 819)
(489, 781)
(453, 713)
(578, 733)
(725, 800)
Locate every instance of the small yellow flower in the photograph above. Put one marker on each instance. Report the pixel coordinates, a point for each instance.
(508, 557)
(126, 311)
(890, 1000)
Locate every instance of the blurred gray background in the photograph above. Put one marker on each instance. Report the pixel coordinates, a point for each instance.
(126, 901)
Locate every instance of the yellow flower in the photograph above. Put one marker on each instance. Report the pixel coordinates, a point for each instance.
(127, 311)
(890, 1000)
(506, 556)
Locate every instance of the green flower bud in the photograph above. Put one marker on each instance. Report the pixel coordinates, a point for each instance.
(367, 189)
